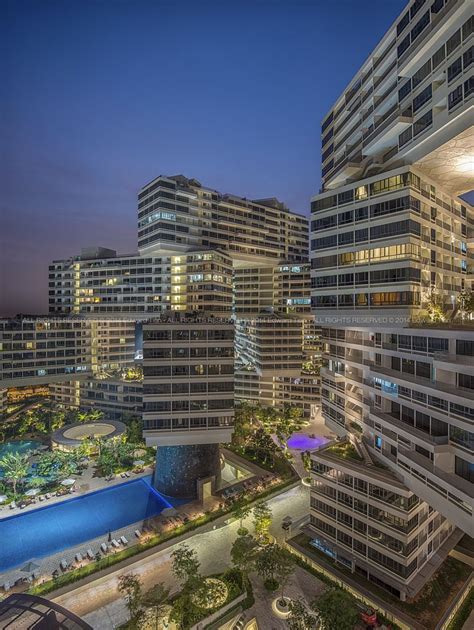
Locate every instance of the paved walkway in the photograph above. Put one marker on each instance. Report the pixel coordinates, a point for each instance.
(99, 602)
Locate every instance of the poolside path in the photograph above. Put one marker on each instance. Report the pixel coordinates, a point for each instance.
(99, 602)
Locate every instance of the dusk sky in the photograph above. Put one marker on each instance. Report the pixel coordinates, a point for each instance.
(100, 97)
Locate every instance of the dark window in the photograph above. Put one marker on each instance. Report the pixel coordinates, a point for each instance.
(438, 57)
(422, 123)
(455, 97)
(420, 25)
(403, 23)
(345, 217)
(403, 45)
(345, 197)
(324, 204)
(404, 91)
(361, 214)
(361, 235)
(423, 97)
(468, 58)
(453, 42)
(454, 69)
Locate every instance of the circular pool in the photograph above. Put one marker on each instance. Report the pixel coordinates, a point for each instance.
(303, 442)
(72, 435)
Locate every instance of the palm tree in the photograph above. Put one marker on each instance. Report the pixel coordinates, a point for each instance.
(15, 468)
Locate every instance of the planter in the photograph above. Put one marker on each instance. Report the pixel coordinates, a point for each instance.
(281, 607)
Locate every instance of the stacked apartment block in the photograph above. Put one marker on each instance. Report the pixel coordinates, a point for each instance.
(391, 266)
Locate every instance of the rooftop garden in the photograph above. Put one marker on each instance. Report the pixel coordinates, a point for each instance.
(345, 450)
(252, 438)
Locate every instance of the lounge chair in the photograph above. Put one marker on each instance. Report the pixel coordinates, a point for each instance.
(115, 543)
(90, 554)
(63, 564)
(137, 533)
(124, 540)
(122, 475)
(78, 557)
(6, 587)
(127, 474)
(104, 547)
(12, 505)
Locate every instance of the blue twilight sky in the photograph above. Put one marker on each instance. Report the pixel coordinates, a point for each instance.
(100, 96)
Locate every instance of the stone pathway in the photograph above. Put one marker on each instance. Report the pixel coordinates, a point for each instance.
(99, 600)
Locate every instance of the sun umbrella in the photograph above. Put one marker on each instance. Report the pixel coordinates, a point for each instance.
(3, 498)
(30, 567)
(32, 492)
(68, 482)
(138, 462)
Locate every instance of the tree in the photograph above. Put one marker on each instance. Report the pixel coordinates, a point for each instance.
(130, 587)
(240, 512)
(243, 552)
(466, 301)
(266, 565)
(15, 468)
(186, 566)
(262, 519)
(156, 599)
(336, 609)
(284, 569)
(300, 618)
(135, 431)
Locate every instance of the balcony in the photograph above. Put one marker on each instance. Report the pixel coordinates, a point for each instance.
(424, 439)
(384, 133)
(418, 381)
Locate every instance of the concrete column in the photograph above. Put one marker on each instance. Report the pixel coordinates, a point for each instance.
(178, 468)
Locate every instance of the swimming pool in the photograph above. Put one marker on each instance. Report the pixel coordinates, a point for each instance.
(51, 529)
(303, 442)
(19, 447)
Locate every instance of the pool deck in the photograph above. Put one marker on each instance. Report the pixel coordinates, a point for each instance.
(85, 483)
(48, 564)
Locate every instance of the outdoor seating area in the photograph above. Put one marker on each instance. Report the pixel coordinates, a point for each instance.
(250, 486)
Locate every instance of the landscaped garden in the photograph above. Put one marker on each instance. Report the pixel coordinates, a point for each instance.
(252, 437)
(430, 603)
(32, 474)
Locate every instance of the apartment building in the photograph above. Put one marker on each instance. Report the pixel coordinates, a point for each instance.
(98, 283)
(177, 213)
(278, 288)
(391, 252)
(116, 396)
(39, 351)
(188, 398)
(362, 516)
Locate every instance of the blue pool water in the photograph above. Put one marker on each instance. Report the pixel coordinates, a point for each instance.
(304, 442)
(48, 530)
(21, 447)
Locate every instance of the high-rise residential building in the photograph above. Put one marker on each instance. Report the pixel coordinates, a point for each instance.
(277, 343)
(188, 398)
(368, 520)
(134, 286)
(391, 255)
(177, 214)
